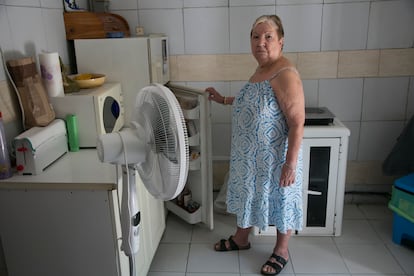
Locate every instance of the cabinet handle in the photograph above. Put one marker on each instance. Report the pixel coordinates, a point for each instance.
(309, 192)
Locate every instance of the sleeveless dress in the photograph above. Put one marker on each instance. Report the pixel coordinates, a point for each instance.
(258, 150)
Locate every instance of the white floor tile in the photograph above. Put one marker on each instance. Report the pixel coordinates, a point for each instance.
(317, 258)
(224, 226)
(369, 258)
(177, 230)
(203, 258)
(309, 240)
(170, 257)
(330, 274)
(404, 256)
(376, 211)
(357, 231)
(376, 274)
(281, 273)
(351, 211)
(210, 274)
(262, 239)
(384, 230)
(166, 274)
(365, 248)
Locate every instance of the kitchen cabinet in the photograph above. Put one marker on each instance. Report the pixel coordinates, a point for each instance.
(66, 220)
(325, 150)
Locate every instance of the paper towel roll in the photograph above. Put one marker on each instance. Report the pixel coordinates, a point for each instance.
(51, 74)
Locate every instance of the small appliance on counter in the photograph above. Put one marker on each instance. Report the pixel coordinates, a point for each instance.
(98, 110)
(37, 148)
(318, 116)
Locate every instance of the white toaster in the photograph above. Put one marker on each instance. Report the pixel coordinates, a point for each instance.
(37, 148)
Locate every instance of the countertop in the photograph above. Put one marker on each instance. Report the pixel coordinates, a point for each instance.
(81, 170)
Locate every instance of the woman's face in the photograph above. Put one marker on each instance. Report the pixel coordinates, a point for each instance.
(265, 43)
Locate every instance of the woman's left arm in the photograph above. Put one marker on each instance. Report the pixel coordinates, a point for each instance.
(289, 92)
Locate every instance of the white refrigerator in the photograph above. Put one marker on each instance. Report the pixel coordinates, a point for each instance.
(136, 62)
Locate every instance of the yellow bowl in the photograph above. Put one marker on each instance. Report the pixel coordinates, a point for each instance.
(89, 80)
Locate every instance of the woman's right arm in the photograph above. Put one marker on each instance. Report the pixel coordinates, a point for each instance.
(214, 95)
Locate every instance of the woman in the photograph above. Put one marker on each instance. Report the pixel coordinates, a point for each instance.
(265, 178)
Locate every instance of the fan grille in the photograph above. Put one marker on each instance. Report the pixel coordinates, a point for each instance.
(164, 171)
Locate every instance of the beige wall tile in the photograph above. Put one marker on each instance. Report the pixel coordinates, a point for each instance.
(293, 57)
(173, 66)
(211, 67)
(195, 68)
(396, 62)
(318, 65)
(356, 64)
(236, 67)
(314, 65)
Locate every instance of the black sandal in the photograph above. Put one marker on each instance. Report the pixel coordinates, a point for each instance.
(233, 245)
(278, 267)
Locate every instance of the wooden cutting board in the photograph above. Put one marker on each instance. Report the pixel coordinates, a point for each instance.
(84, 24)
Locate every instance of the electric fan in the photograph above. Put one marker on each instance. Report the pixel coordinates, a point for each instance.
(156, 146)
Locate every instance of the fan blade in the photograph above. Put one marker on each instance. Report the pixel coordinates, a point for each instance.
(159, 124)
(160, 172)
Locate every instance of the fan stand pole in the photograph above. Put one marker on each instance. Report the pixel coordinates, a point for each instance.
(130, 215)
(132, 269)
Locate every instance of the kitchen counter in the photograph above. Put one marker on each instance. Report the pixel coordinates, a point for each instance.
(64, 221)
(80, 170)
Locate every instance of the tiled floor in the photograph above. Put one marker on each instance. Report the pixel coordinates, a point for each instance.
(365, 248)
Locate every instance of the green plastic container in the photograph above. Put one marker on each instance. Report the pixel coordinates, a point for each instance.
(72, 128)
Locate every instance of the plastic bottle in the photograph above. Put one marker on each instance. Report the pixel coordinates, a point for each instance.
(73, 135)
(5, 166)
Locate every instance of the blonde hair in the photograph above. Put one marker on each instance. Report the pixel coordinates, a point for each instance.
(274, 20)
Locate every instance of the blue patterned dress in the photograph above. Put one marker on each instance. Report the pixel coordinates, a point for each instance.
(258, 151)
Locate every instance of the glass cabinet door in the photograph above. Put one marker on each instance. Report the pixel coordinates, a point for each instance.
(320, 172)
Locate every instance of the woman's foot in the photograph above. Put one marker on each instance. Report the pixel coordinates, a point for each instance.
(230, 244)
(275, 264)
